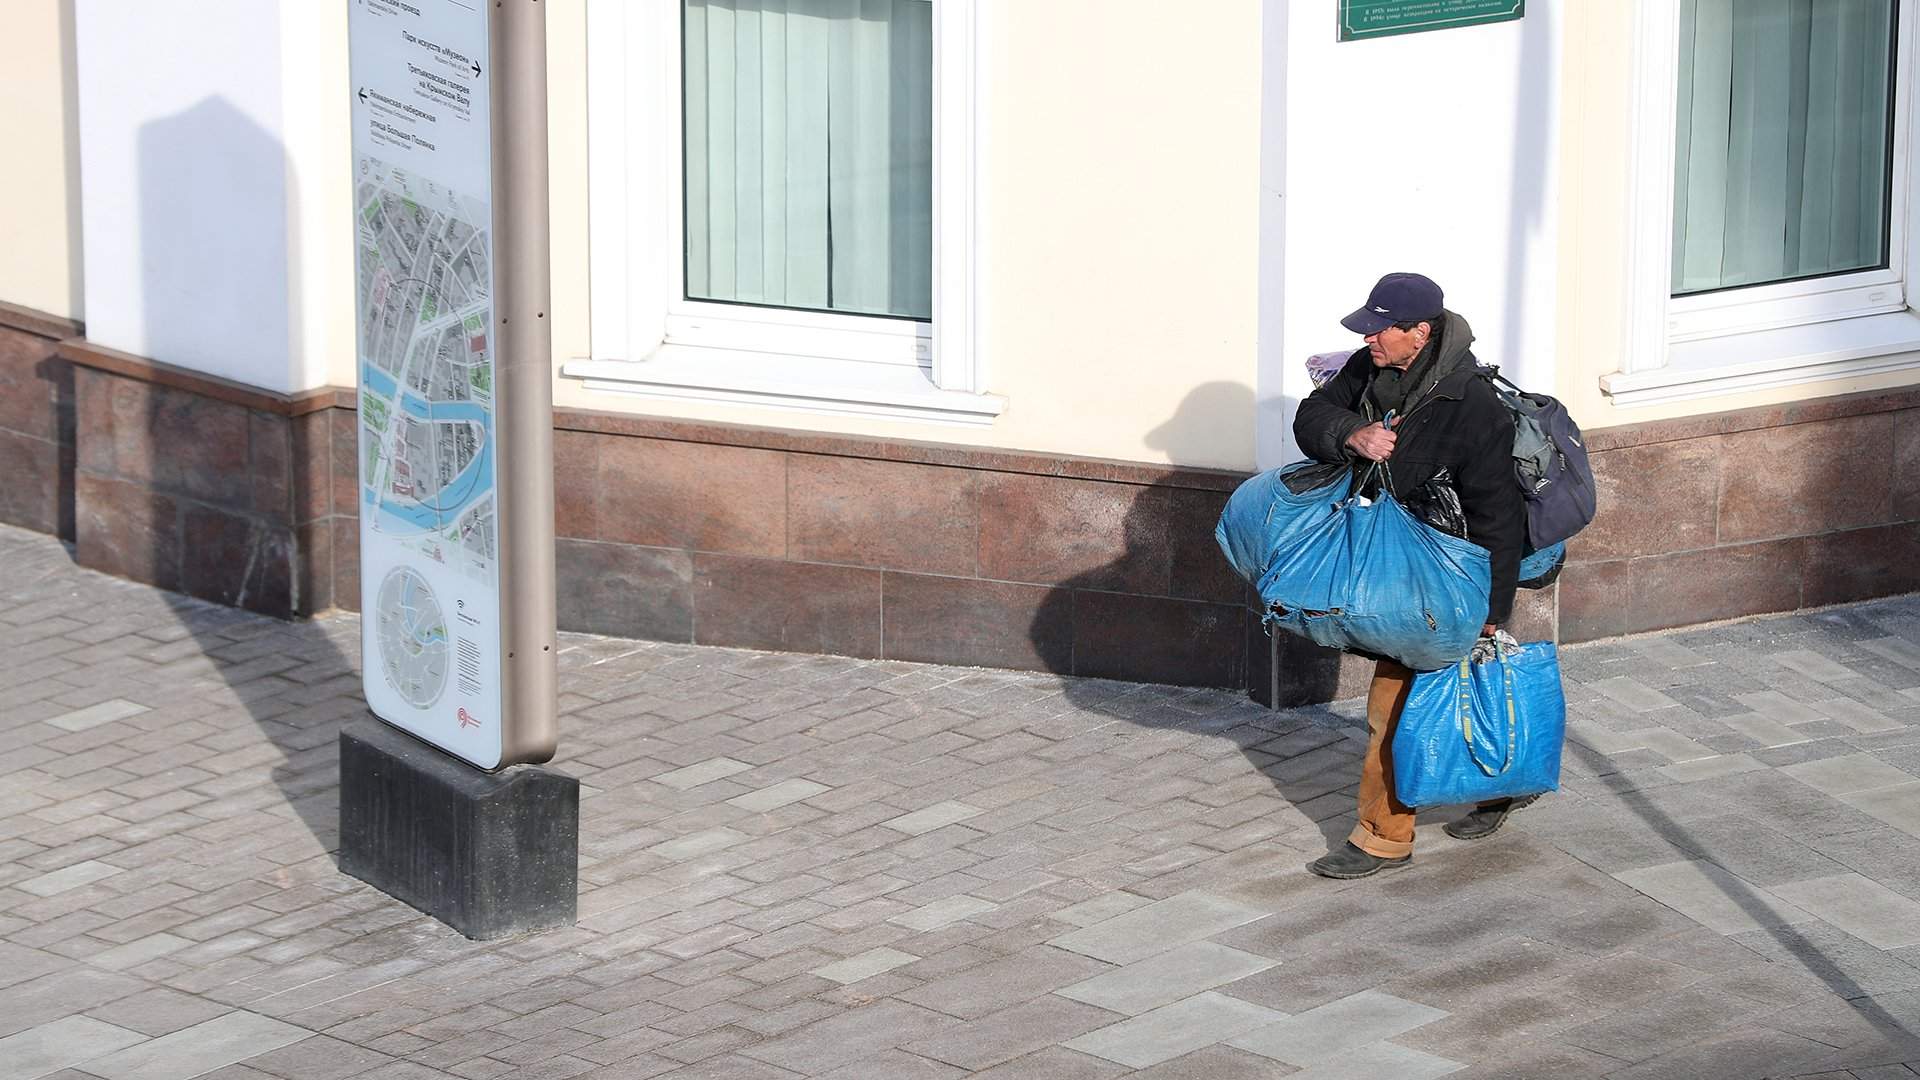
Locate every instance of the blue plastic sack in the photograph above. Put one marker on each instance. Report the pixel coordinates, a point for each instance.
(1537, 568)
(1474, 732)
(1352, 574)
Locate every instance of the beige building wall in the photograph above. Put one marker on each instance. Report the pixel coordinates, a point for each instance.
(40, 260)
(1118, 234)
(1597, 148)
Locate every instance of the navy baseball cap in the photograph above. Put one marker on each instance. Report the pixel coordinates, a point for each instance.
(1396, 298)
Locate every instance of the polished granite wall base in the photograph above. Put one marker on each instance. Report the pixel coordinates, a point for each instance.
(768, 539)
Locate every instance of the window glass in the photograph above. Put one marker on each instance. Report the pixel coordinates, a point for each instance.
(809, 147)
(1783, 162)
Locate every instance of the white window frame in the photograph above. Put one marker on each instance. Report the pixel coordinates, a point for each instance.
(648, 339)
(1780, 334)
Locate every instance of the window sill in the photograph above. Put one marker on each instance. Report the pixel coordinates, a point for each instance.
(807, 384)
(1766, 359)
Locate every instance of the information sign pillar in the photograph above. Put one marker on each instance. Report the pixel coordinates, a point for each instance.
(456, 470)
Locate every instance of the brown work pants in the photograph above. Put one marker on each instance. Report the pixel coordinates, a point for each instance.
(1385, 829)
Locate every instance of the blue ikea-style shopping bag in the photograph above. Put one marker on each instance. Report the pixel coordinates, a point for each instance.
(1350, 573)
(1474, 732)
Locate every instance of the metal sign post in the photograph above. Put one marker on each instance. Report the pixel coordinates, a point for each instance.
(456, 471)
(456, 509)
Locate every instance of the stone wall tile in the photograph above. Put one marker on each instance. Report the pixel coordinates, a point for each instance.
(1594, 600)
(1199, 571)
(237, 559)
(953, 620)
(270, 465)
(1906, 465)
(886, 514)
(1652, 499)
(1861, 564)
(313, 567)
(1720, 583)
(1535, 614)
(346, 460)
(310, 437)
(625, 591)
(35, 479)
(701, 497)
(786, 606)
(1158, 639)
(1807, 478)
(1078, 533)
(576, 484)
(94, 421)
(126, 529)
(346, 562)
(33, 386)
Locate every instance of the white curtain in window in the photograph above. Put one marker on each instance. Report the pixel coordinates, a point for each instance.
(809, 147)
(1781, 163)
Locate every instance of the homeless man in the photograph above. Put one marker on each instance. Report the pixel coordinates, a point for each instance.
(1447, 428)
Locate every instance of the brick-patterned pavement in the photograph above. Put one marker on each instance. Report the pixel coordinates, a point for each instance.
(809, 866)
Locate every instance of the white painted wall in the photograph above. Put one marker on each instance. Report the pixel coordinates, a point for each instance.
(40, 186)
(216, 204)
(1434, 152)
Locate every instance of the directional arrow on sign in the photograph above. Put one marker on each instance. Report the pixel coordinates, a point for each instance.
(363, 93)
(476, 69)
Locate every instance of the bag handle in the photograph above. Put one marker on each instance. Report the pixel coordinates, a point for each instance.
(1362, 476)
(1466, 712)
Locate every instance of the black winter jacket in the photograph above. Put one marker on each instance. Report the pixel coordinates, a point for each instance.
(1452, 421)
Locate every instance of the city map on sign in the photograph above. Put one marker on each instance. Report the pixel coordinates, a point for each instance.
(426, 386)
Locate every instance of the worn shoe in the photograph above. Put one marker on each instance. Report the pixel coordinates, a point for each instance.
(1485, 820)
(1348, 861)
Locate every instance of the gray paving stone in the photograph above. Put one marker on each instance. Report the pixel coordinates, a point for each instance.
(1713, 897)
(784, 793)
(135, 953)
(1381, 1060)
(831, 1043)
(703, 772)
(1814, 666)
(158, 1011)
(68, 877)
(1338, 1028)
(997, 984)
(1634, 695)
(698, 844)
(1858, 716)
(1766, 731)
(1862, 907)
(1166, 978)
(1157, 927)
(1843, 775)
(1898, 806)
(864, 965)
(199, 1049)
(1176, 1029)
(1670, 744)
(1687, 772)
(51, 1047)
(1100, 908)
(1899, 650)
(93, 716)
(944, 912)
(1012, 1033)
(1779, 707)
(938, 816)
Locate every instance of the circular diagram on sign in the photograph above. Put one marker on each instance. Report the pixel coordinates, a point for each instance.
(412, 634)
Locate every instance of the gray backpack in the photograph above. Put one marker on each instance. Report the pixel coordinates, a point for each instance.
(1549, 463)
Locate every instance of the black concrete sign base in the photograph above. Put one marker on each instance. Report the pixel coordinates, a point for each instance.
(489, 854)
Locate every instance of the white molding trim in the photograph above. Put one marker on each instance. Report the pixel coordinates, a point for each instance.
(1649, 270)
(639, 313)
(1785, 333)
(878, 390)
(1789, 356)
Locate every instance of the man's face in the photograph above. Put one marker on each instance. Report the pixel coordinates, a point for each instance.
(1396, 348)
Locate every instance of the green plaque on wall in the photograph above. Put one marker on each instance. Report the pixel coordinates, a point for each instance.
(1362, 19)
